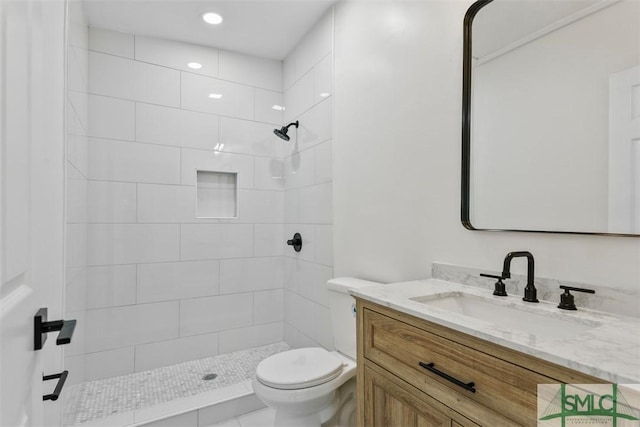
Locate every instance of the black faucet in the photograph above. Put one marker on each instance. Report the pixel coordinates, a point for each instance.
(530, 291)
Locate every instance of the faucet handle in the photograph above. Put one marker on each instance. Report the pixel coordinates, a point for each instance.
(492, 276)
(566, 299)
(499, 289)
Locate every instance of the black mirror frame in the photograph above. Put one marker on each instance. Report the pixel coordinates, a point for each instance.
(465, 205)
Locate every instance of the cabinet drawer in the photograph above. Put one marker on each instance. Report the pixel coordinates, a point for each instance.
(507, 389)
(392, 403)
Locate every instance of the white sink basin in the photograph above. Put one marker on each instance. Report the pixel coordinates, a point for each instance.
(506, 317)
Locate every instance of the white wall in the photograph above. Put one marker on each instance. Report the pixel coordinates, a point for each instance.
(397, 158)
(308, 81)
(164, 286)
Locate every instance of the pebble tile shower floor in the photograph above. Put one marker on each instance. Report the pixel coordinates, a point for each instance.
(96, 399)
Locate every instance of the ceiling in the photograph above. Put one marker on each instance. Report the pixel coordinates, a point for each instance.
(504, 22)
(266, 28)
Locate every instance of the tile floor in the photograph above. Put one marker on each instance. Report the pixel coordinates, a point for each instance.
(260, 418)
(96, 399)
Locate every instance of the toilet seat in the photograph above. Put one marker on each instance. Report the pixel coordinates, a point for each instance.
(299, 368)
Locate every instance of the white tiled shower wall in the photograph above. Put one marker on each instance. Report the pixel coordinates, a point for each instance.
(163, 286)
(308, 81)
(76, 186)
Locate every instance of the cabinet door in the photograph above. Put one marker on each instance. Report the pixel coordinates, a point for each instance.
(391, 403)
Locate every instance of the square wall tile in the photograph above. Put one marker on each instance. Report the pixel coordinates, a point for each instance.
(137, 81)
(178, 55)
(268, 239)
(323, 330)
(324, 244)
(251, 70)
(298, 311)
(111, 160)
(75, 289)
(299, 169)
(298, 98)
(118, 327)
(76, 199)
(315, 204)
(132, 243)
(269, 173)
(324, 162)
(268, 107)
(215, 96)
(110, 202)
(110, 363)
(173, 126)
(111, 118)
(248, 137)
(177, 280)
(216, 241)
(76, 245)
(164, 353)
(253, 336)
(316, 126)
(250, 274)
(312, 282)
(111, 286)
(166, 203)
(268, 306)
(218, 313)
(259, 206)
(111, 42)
(323, 79)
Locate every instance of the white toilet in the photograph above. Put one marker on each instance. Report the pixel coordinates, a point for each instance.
(313, 386)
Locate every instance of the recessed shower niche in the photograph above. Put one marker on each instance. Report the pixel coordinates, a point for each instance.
(217, 194)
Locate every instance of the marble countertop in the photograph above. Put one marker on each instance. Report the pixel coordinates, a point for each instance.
(607, 348)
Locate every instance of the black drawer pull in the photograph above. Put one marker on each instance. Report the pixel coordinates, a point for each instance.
(467, 386)
(61, 377)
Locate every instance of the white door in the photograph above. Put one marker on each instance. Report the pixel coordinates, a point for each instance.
(624, 151)
(31, 203)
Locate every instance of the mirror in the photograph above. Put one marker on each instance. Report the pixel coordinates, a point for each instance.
(551, 116)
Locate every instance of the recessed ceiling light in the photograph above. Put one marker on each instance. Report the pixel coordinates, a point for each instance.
(212, 18)
(215, 95)
(278, 107)
(194, 65)
(324, 94)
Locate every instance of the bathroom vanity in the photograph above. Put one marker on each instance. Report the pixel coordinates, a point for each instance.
(424, 359)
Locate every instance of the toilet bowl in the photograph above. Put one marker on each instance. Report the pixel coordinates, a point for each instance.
(309, 387)
(309, 394)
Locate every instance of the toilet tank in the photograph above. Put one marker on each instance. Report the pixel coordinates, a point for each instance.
(343, 312)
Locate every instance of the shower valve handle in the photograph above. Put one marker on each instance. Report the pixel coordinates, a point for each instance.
(296, 242)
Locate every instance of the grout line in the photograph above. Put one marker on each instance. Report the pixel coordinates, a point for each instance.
(209, 150)
(181, 108)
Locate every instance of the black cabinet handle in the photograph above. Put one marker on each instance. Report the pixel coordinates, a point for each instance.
(62, 378)
(41, 327)
(431, 368)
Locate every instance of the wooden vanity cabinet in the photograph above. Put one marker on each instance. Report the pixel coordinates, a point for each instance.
(395, 388)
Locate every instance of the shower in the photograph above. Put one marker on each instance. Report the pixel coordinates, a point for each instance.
(282, 132)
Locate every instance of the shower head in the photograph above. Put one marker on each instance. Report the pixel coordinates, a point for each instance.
(282, 132)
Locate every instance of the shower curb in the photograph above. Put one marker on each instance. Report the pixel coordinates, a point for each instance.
(200, 410)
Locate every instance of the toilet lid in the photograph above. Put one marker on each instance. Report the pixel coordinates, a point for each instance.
(299, 368)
